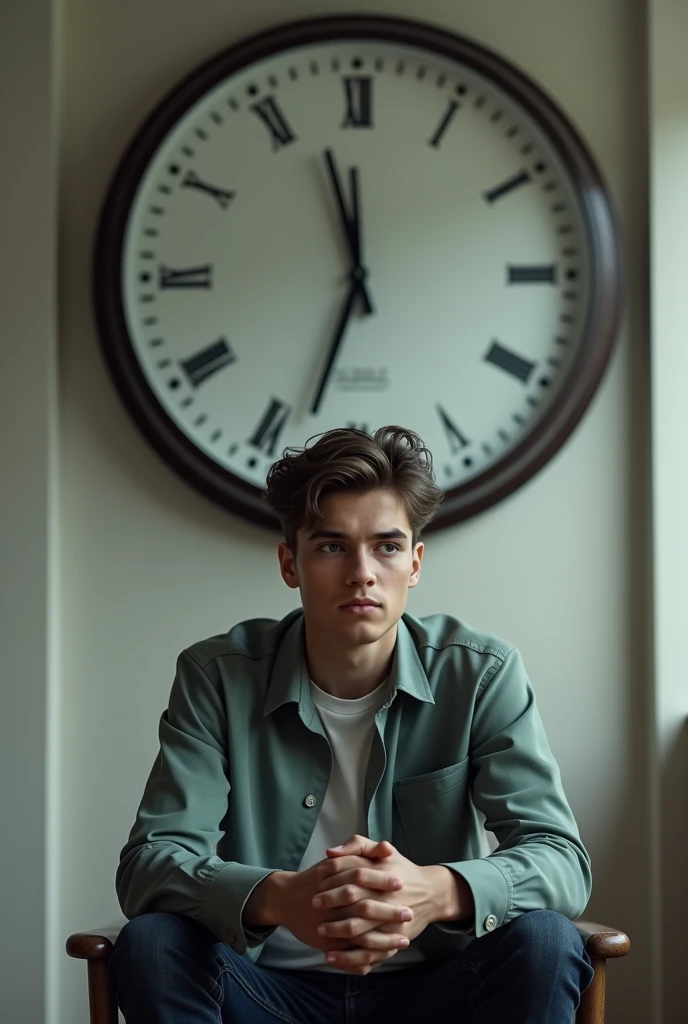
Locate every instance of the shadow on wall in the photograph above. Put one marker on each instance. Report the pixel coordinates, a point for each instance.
(674, 876)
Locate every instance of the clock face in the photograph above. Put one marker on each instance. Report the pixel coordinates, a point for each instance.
(246, 319)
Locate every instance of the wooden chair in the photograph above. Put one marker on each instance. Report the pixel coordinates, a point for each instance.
(601, 943)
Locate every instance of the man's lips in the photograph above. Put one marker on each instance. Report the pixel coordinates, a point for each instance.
(363, 603)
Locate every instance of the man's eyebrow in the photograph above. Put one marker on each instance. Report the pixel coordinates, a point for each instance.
(395, 534)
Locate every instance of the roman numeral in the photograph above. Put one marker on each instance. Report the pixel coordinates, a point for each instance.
(273, 118)
(223, 196)
(508, 360)
(444, 124)
(270, 427)
(456, 439)
(189, 277)
(207, 361)
(532, 275)
(359, 105)
(506, 186)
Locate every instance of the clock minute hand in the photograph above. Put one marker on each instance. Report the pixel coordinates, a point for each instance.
(350, 224)
(355, 289)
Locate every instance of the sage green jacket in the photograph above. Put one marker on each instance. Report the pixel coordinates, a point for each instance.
(243, 753)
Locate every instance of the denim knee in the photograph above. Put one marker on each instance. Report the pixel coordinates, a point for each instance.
(148, 942)
(545, 940)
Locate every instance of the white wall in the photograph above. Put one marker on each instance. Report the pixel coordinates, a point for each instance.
(668, 25)
(149, 566)
(28, 503)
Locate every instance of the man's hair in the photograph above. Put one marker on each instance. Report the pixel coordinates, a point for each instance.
(351, 460)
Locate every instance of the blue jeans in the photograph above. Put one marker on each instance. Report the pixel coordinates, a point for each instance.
(167, 969)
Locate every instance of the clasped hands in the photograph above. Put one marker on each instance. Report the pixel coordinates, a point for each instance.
(371, 902)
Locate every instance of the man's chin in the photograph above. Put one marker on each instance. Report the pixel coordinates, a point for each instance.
(365, 631)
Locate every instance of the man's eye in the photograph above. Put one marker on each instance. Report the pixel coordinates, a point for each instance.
(326, 546)
(390, 548)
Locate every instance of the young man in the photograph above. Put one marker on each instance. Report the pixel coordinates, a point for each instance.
(312, 813)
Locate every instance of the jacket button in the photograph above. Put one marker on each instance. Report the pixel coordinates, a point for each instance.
(310, 801)
(490, 923)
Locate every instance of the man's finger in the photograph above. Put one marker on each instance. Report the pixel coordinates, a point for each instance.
(366, 937)
(375, 961)
(366, 901)
(361, 846)
(352, 866)
(354, 881)
(353, 957)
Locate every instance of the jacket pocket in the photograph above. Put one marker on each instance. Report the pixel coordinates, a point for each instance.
(434, 813)
(422, 786)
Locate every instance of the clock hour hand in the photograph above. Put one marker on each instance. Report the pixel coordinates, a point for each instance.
(351, 225)
(355, 289)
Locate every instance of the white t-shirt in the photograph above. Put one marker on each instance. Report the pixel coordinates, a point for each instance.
(350, 726)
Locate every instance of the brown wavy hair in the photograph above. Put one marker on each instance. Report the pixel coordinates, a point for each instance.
(351, 460)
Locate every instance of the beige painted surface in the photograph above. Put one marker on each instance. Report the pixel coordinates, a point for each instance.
(149, 566)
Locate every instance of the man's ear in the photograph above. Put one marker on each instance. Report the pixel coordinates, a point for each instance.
(416, 563)
(287, 562)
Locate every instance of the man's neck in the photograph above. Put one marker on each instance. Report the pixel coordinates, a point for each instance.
(349, 672)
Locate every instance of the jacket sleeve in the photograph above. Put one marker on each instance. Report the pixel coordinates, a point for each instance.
(540, 862)
(169, 862)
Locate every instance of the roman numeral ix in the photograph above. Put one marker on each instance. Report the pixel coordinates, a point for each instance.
(206, 362)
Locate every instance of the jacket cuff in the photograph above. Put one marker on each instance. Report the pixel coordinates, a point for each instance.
(492, 895)
(224, 902)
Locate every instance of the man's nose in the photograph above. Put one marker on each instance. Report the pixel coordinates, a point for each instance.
(360, 569)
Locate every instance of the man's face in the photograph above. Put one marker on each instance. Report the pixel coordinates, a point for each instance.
(359, 551)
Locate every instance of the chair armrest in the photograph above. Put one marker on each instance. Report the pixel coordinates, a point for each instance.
(601, 941)
(94, 945)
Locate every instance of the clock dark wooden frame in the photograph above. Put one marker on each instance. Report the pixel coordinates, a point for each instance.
(597, 210)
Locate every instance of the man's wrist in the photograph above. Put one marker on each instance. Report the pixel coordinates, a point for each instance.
(451, 896)
(263, 907)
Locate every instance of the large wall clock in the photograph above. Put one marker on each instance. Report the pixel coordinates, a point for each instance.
(357, 221)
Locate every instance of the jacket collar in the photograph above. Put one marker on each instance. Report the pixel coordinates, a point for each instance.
(289, 678)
